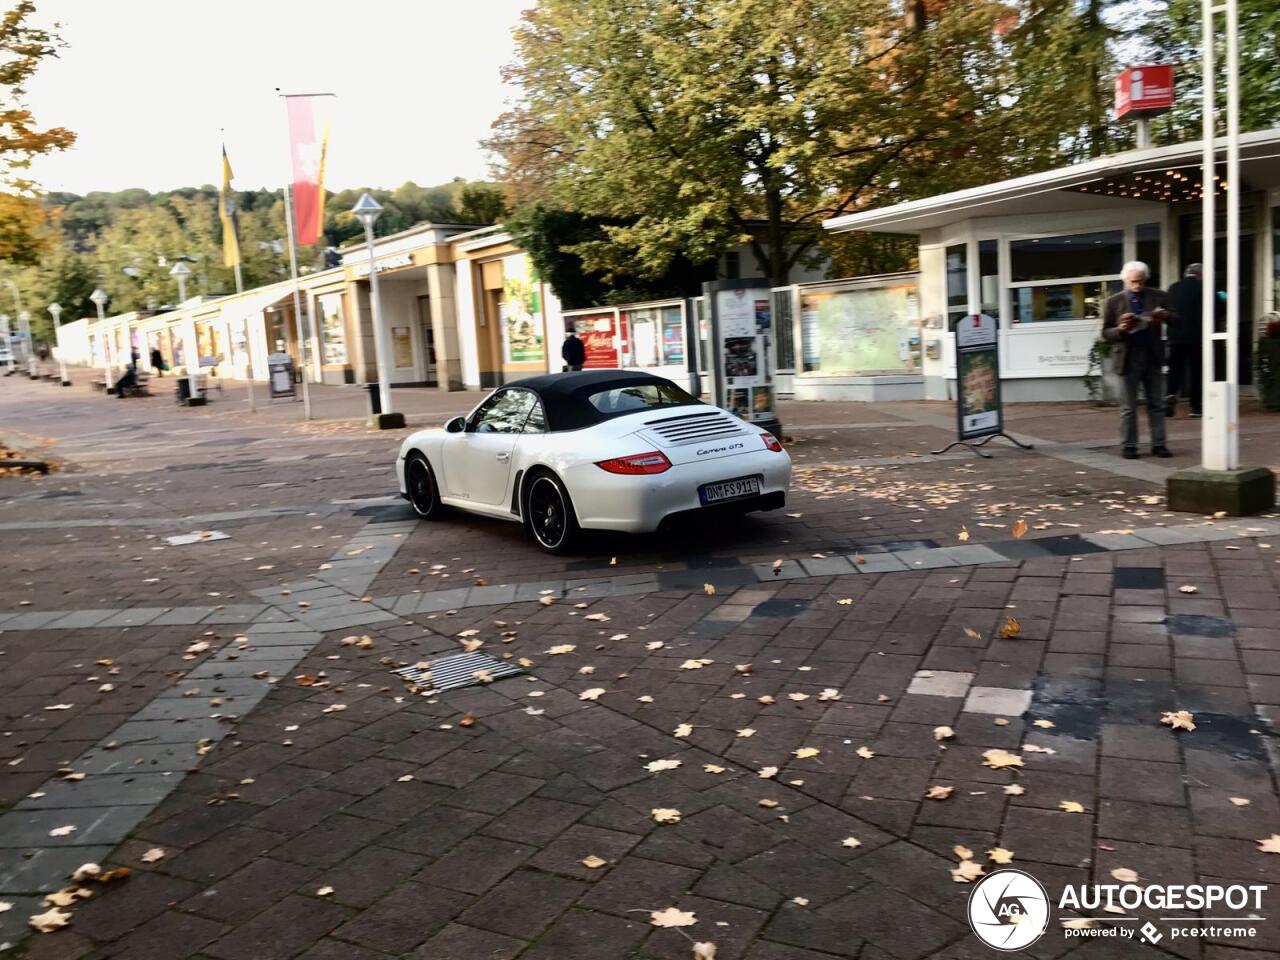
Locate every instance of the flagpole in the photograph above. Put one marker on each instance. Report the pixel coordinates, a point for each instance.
(297, 299)
(248, 339)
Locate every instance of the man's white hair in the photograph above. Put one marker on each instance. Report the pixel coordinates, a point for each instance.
(1135, 266)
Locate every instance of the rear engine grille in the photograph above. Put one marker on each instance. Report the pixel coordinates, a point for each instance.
(696, 427)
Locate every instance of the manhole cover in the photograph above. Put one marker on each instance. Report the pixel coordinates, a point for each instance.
(460, 670)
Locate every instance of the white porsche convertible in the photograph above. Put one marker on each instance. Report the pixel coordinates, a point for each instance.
(600, 450)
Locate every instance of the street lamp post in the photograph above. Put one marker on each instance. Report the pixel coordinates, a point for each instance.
(367, 210)
(33, 369)
(55, 309)
(99, 298)
(180, 272)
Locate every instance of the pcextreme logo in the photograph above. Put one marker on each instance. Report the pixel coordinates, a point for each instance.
(1009, 910)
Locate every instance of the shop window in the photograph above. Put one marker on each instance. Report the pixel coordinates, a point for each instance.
(861, 330)
(1275, 255)
(673, 336)
(1059, 258)
(333, 328)
(1065, 278)
(957, 284)
(655, 336)
(1148, 250)
(989, 277)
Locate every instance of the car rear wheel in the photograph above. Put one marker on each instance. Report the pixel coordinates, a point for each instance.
(549, 514)
(420, 483)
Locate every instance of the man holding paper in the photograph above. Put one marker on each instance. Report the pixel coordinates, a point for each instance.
(1132, 322)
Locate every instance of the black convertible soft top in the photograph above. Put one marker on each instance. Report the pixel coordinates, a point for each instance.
(565, 395)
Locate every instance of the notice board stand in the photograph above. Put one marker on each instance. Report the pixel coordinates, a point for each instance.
(741, 331)
(979, 408)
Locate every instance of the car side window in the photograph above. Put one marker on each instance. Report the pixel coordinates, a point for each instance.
(504, 412)
(537, 422)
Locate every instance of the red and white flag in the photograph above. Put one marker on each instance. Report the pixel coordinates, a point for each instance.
(307, 151)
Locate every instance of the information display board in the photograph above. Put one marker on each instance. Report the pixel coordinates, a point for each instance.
(978, 411)
(280, 368)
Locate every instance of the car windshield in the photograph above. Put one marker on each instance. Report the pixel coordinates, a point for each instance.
(638, 396)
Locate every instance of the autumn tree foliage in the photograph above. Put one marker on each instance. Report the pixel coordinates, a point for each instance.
(23, 48)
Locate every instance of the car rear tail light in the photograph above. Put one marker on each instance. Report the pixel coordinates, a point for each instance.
(653, 462)
(771, 442)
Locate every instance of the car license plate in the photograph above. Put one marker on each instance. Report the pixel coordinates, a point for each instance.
(729, 490)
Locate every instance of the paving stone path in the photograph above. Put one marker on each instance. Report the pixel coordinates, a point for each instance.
(311, 803)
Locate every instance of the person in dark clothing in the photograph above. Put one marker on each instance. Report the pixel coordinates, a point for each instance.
(1186, 329)
(573, 352)
(128, 381)
(157, 361)
(1131, 323)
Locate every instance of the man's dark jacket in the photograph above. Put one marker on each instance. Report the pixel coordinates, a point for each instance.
(1117, 306)
(1186, 326)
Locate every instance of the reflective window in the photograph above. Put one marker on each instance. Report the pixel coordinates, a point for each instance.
(504, 412)
(537, 422)
(1077, 255)
(639, 396)
(989, 277)
(957, 284)
(1148, 249)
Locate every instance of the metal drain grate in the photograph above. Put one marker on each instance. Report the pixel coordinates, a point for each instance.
(459, 670)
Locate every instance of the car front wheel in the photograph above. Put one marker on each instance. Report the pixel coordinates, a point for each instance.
(420, 483)
(549, 514)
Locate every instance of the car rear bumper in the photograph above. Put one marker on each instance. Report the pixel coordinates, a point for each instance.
(641, 504)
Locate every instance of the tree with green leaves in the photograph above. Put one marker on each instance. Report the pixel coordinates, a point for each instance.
(695, 125)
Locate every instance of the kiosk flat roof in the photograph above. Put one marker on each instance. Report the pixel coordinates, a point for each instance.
(1064, 189)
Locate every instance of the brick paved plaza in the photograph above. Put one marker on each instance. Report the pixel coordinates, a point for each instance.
(797, 730)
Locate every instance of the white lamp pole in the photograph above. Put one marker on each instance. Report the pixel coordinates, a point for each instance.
(180, 272)
(367, 210)
(24, 318)
(99, 298)
(55, 309)
(8, 342)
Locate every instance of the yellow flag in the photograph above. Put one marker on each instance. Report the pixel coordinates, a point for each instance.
(227, 214)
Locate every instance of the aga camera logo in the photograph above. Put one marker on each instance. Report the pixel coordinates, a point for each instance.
(1009, 910)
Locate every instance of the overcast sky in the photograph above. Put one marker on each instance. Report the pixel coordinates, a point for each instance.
(152, 88)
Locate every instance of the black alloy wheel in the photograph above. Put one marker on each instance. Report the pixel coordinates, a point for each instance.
(421, 484)
(550, 515)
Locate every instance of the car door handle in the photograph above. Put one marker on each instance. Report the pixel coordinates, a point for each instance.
(504, 457)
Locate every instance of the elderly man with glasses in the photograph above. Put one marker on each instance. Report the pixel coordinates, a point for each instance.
(1131, 323)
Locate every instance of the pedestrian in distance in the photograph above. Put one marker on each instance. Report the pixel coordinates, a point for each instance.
(157, 361)
(1186, 329)
(128, 381)
(1131, 323)
(573, 352)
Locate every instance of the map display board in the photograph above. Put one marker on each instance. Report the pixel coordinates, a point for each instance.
(861, 331)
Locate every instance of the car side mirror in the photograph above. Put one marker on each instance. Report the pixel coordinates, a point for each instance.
(456, 425)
